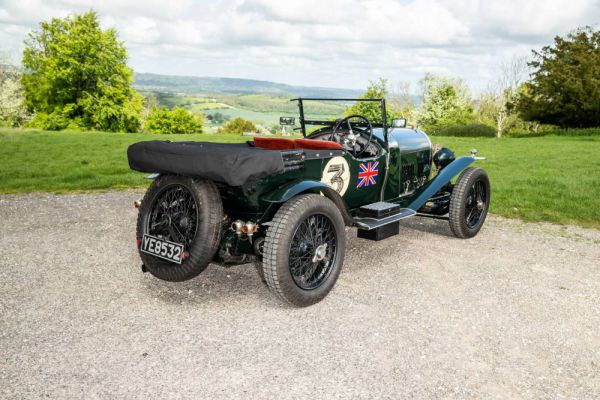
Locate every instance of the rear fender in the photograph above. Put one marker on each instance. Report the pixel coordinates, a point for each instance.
(287, 191)
(441, 179)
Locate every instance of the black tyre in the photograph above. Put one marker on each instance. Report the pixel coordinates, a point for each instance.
(304, 249)
(186, 211)
(469, 203)
(258, 266)
(259, 249)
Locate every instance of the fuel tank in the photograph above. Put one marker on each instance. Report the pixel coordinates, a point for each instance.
(410, 156)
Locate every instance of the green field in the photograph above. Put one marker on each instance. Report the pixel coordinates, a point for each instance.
(551, 178)
(34, 160)
(261, 118)
(261, 109)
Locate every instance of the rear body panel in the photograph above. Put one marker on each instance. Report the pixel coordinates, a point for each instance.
(259, 199)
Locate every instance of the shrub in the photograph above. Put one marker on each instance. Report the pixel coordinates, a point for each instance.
(55, 121)
(469, 130)
(237, 126)
(177, 120)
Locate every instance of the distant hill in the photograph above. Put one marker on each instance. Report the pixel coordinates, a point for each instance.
(208, 85)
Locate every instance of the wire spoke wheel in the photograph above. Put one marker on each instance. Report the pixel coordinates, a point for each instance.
(475, 204)
(304, 249)
(469, 202)
(312, 251)
(185, 211)
(174, 216)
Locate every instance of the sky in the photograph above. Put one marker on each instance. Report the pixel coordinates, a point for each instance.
(330, 43)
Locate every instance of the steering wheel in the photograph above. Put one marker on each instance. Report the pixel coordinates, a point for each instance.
(349, 138)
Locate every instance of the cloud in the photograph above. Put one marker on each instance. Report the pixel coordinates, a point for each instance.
(317, 42)
(142, 30)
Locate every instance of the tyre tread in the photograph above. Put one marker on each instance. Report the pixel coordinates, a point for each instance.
(273, 243)
(458, 225)
(204, 248)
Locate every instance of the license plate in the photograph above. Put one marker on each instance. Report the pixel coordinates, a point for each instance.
(162, 248)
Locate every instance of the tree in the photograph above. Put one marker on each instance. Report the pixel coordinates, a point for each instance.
(75, 72)
(565, 85)
(401, 101)
(446, 102)
(238, 126)
(12, 108)
(371, 109)
(177, 120)
(218, 118)
(495, 104)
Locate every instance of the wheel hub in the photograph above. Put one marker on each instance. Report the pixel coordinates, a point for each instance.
(320, 253)
(183, 223)
(479, 204)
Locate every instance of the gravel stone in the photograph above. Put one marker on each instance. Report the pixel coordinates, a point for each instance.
(511, 313)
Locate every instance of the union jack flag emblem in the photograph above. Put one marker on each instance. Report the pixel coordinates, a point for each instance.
(367, 174)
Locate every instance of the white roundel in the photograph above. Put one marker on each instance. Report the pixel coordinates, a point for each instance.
(336, 174)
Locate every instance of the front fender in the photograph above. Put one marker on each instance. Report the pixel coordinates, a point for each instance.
(441, 179)
(289, 190)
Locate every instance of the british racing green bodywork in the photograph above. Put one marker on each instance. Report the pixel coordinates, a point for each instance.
(404, 177)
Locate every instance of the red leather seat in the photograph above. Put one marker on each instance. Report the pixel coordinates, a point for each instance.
(274, 143)
(310, 144)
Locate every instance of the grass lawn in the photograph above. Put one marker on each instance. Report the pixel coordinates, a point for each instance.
(551, 178)
(32, 160)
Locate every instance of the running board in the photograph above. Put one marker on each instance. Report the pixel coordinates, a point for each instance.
(370, 223)
(376, 215)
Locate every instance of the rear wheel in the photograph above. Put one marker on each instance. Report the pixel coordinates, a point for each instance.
(186, 211)
(304, 250)
(469, 203)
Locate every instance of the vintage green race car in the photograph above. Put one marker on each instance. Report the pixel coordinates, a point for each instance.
(283, 204)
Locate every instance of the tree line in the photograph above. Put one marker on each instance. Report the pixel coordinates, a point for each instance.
(558, 87)
(75, 75)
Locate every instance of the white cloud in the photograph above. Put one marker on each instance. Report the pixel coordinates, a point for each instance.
(141, 30)
(318, 42)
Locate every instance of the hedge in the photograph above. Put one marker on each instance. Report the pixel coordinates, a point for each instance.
(469, 130)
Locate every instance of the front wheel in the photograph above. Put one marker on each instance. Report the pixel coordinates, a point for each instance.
(469, 203)
(304, 249)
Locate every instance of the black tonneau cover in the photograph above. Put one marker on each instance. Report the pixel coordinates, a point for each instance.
(234, 164)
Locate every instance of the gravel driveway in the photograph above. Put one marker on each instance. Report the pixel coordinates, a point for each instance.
(512, 313)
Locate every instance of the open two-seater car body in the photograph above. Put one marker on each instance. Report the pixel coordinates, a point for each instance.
(283, 203)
